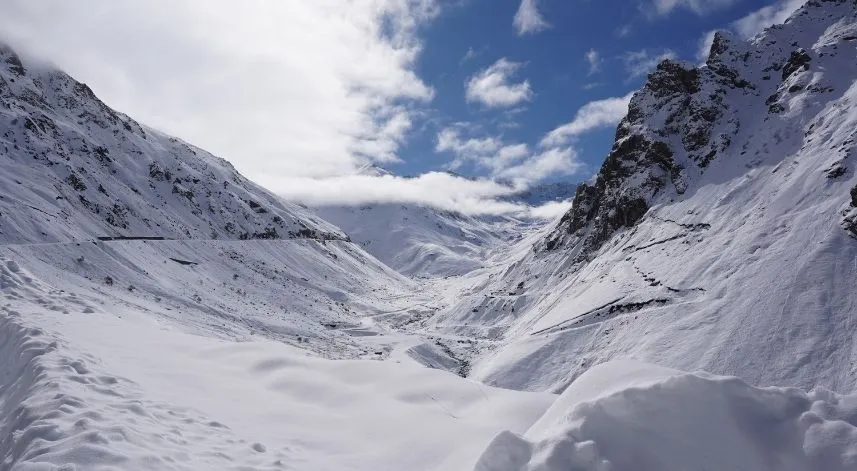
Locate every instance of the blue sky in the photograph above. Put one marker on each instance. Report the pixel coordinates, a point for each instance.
(591, 50)
(303, 96)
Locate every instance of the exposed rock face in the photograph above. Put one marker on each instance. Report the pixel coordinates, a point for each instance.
(643, 162)
(684, 119)
(797, 61)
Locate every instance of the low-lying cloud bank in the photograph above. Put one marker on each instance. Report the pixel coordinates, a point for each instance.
(438, 190)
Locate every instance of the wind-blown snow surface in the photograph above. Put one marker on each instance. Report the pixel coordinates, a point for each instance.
(744, 264)
(88, 383)
(633, 416)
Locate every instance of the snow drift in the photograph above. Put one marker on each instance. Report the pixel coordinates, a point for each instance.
(629, 416)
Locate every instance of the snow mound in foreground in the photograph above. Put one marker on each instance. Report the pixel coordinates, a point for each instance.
(633, 416)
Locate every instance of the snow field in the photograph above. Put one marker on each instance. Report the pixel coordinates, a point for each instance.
(184, 401)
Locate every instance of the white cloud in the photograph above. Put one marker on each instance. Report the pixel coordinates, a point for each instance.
(639, 63)
(439, 190)
(705, 43)
(593, 58)
(528, 19)
(477, 150)
(551, 162)
(700, 7)
(593, 115)
(551, 210)
(292, 87)
(489, 153)
(492, 86)
(507, 161)
(755, 22)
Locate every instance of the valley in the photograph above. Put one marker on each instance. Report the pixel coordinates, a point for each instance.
(694, 308)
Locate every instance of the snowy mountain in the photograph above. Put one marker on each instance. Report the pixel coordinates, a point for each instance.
(156, 305)
(418, 240)
(86, 171)
(719, 234)
(95, 200)
(159, 311)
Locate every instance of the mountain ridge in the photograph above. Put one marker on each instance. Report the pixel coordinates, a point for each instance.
(698, 114)
(691, 260)
(162, 188)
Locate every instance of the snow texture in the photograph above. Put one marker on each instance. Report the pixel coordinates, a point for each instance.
(633, 416)
(96, 386)
(159, 311)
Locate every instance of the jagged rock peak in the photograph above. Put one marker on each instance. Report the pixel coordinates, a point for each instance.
(687, 118)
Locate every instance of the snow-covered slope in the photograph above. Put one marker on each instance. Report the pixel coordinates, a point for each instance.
(72, 168)
(90, 199)
(718, 235)
(419, 240)
(88, 382)
(158, 311)
(422, 241)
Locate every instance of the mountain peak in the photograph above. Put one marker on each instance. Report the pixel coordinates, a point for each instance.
(685, 118)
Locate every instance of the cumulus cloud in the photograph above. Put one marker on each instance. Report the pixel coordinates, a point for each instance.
(438, 190)
(449, 140)
(492, 87)
(700, 7)
(528, 19)
(309, 88)
(593, 58)
(593, 115)
(507, 161)
(755, 22)
(551, 162)
(639, 63)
